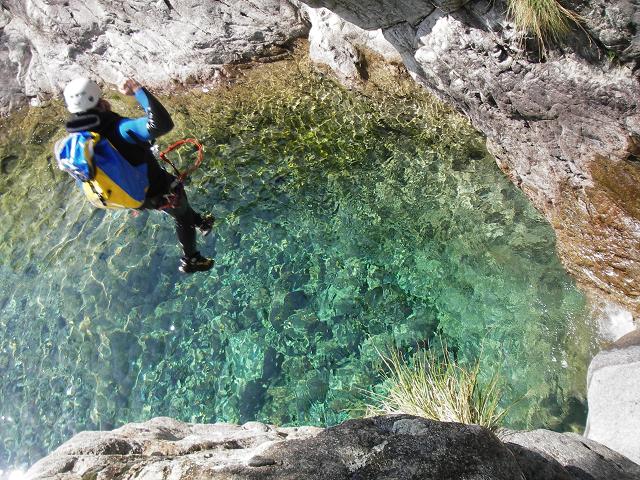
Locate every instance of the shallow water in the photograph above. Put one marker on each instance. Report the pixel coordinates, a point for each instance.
(347, 224)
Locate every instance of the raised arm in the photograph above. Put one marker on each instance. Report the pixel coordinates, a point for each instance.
(156, 122)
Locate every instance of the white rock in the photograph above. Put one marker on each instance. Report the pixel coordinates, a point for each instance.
(44, 44)
(338, 44)
(613, 384)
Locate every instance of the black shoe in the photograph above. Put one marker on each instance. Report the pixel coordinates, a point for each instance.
(207, 224)
(197, 263)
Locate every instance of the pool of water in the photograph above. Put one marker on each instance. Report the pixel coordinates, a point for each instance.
(349, 222)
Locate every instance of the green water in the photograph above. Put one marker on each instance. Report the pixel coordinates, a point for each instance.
(348, 222)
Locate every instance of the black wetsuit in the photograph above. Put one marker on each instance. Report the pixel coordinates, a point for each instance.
(158, 122)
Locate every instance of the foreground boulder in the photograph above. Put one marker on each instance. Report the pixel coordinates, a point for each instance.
(389, 447)
(546, 455)
(613, 386)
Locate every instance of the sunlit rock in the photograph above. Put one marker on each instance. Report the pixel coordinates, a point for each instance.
(339, 44)
(614, 397)
(44, 44)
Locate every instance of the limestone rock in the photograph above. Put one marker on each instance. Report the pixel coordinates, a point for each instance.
(546, 455)
(43, 44)
(165, 448)
(617, 29)
(566, 130)
(381, 448)
(613, 394)
(374, 14)
(339, 44)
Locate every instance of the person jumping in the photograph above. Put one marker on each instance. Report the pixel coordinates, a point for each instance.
(133, 139)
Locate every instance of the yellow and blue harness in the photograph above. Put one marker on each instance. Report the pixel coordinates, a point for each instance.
(105, 176)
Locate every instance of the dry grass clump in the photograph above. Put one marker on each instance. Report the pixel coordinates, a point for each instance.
(436, 387)
(547, 20)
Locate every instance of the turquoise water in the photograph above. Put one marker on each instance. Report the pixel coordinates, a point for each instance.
(346, 224)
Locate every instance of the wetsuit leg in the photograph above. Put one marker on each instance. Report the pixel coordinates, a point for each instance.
(187, 220)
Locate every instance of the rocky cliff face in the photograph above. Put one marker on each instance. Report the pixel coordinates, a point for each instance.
(45, 43)
(378, 448)
(565, 128)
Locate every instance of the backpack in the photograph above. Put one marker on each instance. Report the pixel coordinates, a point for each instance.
(105, 176)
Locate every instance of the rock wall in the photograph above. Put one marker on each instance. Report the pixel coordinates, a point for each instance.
(565, 128)
(45, 43)
(339, 45)
(378, 448)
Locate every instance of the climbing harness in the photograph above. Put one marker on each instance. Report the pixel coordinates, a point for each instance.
(173, 198)
(107, 179)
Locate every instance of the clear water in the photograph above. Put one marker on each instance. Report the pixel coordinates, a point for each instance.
(348, 222)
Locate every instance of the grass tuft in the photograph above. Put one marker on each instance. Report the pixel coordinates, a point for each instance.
(435, 386)
(547, 20)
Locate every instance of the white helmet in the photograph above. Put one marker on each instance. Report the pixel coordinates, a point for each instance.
(81, 94)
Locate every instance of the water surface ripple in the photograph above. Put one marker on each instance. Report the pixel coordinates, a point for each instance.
(348, 222)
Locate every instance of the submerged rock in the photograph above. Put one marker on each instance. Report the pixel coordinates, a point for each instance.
(564, 127)
(614, 397)
(388, 447)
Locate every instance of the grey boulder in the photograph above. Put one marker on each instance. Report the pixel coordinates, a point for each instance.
(546, 455)
(613, 394)
(383, 448)
(390, 447)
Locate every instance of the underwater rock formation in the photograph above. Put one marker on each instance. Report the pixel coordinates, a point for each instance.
(388, 447)
(44, 44)
(613, 381)
(565, 128)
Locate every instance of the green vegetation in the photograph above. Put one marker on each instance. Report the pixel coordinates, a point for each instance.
(547, 20)
(433, 385)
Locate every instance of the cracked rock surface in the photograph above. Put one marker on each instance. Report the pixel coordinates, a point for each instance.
(565, 128)
(381, 448)
(45, 43)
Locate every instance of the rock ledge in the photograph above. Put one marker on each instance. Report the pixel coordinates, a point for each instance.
(387, 447)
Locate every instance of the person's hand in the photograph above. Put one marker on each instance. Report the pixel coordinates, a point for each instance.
(130, 87)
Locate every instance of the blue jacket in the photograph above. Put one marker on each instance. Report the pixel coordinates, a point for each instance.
(132, 137)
